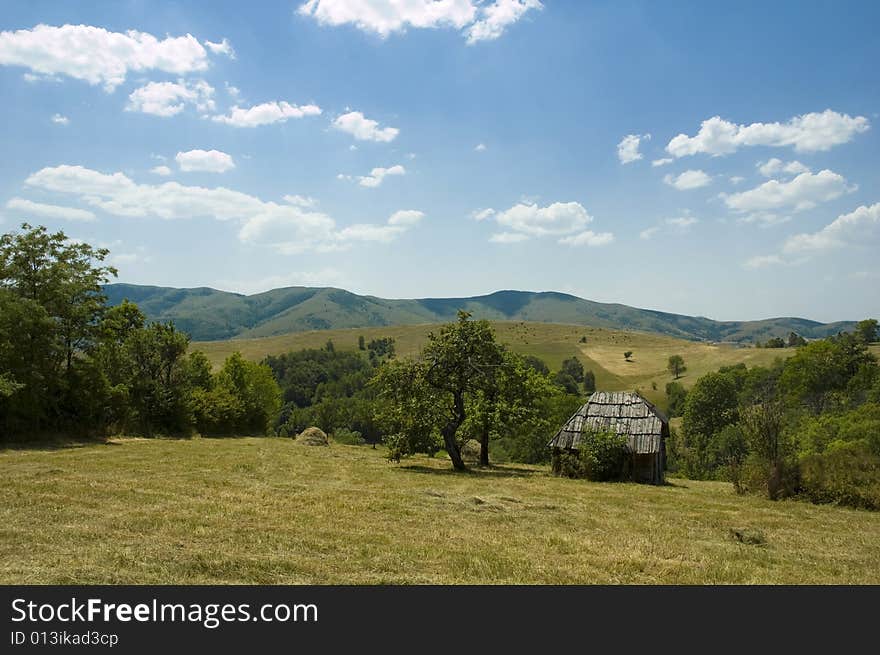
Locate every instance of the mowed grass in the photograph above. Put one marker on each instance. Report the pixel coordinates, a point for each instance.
(602, 352)
(270, 511)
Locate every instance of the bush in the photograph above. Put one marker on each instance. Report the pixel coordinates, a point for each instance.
(348, 437)
(602, 457)
(846, 474)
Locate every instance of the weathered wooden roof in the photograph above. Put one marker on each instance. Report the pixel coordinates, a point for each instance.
(627, 413)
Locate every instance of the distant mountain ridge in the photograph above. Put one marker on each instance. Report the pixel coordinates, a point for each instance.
(208, 314)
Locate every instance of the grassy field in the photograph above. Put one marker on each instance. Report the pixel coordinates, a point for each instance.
(602, 352)
(271, 511)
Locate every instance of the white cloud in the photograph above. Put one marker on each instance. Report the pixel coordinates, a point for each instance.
(803, 192)
(300, 201)
(558, 218)
(677, 224)
(364, 129)
(688, 180)
(406, 217)
(761, 261)
(805, 133)
(284, 227)
(164, 171)
(49, 211)
(525, 220)
(649, 232)
(737, 179)
(508, 237)
(60, 120)
(774, 167)
(482, 214)
(378, 174)
(628, 148)
(98, 56)
(266, 114)
(222, 48)
(861, 226)
(588, 238)
(495, 18)
(207, 161)
(765, 219)
(479, 21)
(662, 162)
(170, 98)
(480, 147)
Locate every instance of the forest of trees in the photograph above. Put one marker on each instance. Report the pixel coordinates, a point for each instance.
(72, 366)
(808, 425)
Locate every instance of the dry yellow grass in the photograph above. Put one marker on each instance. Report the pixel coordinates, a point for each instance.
(267, 511)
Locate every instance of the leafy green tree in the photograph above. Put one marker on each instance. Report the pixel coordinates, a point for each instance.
(361, 345)
(675, 399)
(676, 366)
(795, 340)
(762, 425)
(627, 355)
(567, 383)
(775, 342)
(255, 390)
(50, 306)
(457, 363)
(711, 405)
(537, 364)
(589, 382)
(867, 331)
(573, 367)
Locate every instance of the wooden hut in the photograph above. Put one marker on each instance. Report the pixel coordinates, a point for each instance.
(628, 414)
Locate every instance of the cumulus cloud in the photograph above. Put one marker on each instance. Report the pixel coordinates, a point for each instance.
(480, 147)
(60, 120)
(266, 114)
(496, 17)
(526, 220)
(588, 238)
(284, 227)
(49, 211)
(164, 171)
(761, 261)
(364, 129)
(661, 162)
(482, 214)
(300, 201)
(628, 148)
(376, 176)
(676, 224)
(806, 133)
(508, 237)
(688, 180)
(776, 167)
(803, 192)
(406, 217)
(99, 56)
(737, 179)
(207, 161)
(170, 98)
(222, 48)
(861, 226)
(478, 21)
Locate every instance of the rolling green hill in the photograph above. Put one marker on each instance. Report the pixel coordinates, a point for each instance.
(208, 314)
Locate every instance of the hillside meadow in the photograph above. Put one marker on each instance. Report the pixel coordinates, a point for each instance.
(602, 352)
(270, 511)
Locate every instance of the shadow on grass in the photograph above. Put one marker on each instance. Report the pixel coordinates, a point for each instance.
(476, 471)
(55, 444)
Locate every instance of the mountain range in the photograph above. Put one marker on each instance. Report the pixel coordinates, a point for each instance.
(208, 314)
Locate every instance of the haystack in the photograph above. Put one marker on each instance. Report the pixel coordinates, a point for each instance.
(312, 437)
(470, 451)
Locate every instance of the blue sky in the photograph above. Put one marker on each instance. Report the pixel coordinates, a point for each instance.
(718, 159)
